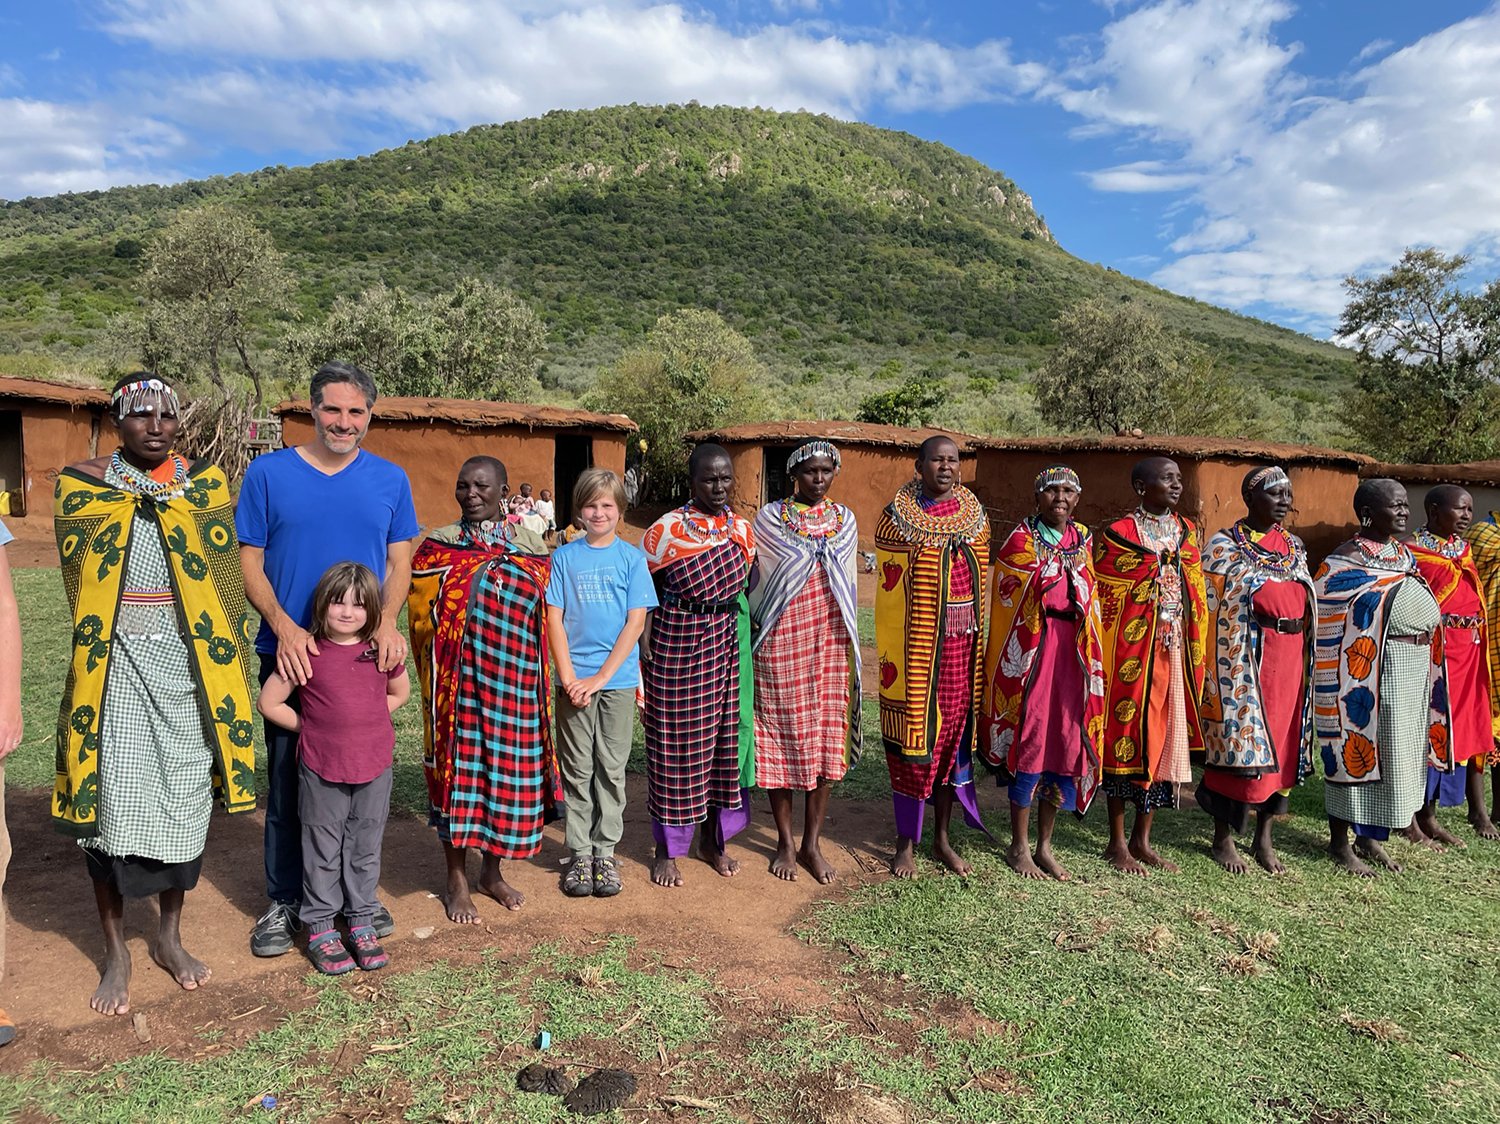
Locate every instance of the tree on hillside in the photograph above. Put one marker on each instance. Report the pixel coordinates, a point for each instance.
(913, 403)
(1117, 367)
(210, 278)
(476, 340)
(1426, 387)
(694, 371)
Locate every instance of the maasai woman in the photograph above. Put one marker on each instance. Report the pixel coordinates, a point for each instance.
(478, 631)
(1380, 697)
(1484, 544)
(156, 712)
(1044, 671)
(1257, 695)
(1153, 614)
(932, 549)
(700, 758)
(1447, 566)
(805, 652)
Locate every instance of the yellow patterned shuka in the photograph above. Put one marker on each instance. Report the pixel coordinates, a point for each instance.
(93, 522)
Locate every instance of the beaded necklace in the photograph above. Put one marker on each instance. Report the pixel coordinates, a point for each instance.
(1451, 547)
(1384, 552)
(917, 525)
(1048, 549)
(1265, 558)
(488, 532)
(707, 528)
(814, 522)
(144, 484)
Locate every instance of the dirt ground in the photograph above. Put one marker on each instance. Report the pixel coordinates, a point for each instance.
(740, 928)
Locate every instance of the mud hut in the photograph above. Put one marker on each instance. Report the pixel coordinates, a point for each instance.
(1212, 468)
(877, 460)
(544, 446)
(44, 427)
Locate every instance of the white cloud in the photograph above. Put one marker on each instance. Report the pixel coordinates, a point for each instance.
(1291, 192)
(47, 148)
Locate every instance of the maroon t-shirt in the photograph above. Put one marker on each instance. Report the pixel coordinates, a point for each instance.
(347, 736)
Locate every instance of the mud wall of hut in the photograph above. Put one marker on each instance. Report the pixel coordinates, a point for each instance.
(53, 436)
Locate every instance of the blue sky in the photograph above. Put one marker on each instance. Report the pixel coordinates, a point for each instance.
(1247, 152)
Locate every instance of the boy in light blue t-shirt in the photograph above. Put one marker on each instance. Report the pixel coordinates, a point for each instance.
(597, 599)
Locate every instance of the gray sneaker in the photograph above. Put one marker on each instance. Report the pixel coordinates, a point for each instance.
(579, 881)
(382, 922)
(606, 876)
(274, 930)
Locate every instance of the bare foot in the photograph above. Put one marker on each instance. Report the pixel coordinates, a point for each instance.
(1371, 849)
(1049, 864)
(186, 969)
(1345, 859)
(501, 890)
(723, 865)
(1268, 858)
(904, 865)
(1144, 852)
(784, 863)
(664, 872)
(945, 854)
(1227, 855)
(820, 868)
(1415, 834)
(1019, 859)
(1122, 860)
(459, 905)
(1444, 836)
(112, 997)
(1484, 827)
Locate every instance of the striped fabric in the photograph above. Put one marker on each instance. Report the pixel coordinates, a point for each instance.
(505, 778)
(1484, 545)
(692, 689)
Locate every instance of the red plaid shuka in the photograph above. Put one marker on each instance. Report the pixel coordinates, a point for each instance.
(692, 688)
(478, 631)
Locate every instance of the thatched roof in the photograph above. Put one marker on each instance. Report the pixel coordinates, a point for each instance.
(1186, 448)
(839, 432)
(38, 390)
(480, 415)
(1483, 474)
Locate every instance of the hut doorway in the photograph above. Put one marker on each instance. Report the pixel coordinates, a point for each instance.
(12, 465)
(776, 483)
(572, 456)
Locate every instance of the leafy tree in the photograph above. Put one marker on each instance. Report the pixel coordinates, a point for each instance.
(211, 276)
(1117, 367)
(694, 371)
(1426, 387)
(913, 403)
(476, 340)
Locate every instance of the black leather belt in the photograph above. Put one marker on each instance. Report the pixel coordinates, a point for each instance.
(1287, 625)
(687, 605)
(1060, 614)
(1420, 640)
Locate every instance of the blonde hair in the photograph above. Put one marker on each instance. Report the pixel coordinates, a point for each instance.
(592, 482)
(338, 581)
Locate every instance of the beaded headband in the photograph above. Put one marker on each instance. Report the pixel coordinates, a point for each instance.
(1266, 478)
(809, 449)
(142, 395)
(1057, 474)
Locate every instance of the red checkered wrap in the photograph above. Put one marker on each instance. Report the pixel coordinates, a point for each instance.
(802, 693)
(692, 690)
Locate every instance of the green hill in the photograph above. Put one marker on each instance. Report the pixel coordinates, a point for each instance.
(838, 248)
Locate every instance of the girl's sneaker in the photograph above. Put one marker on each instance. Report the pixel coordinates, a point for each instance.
(327, 952)
(367, 951)
(606, 876)
(579, 881)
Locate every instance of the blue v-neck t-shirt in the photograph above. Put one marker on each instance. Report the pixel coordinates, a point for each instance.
(306, 520)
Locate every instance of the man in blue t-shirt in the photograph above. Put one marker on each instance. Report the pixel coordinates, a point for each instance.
(300, 511)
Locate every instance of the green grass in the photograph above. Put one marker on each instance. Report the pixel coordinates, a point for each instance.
(1311, 996)
(443, 1042)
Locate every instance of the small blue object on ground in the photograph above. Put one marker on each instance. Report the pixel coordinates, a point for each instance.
(543, 1040)
(268, 1102)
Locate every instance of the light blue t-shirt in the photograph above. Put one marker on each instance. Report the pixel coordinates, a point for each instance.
(306, 521)
(596, 587)
(5, 536)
